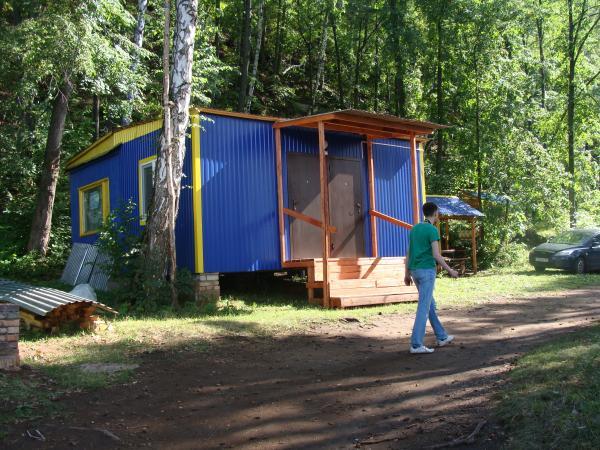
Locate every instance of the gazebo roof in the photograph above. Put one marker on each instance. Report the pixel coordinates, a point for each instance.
(454, 207)
(364, 122)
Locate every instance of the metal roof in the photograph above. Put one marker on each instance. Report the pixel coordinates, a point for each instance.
(364, 123)
(40, 300)
(453, 206)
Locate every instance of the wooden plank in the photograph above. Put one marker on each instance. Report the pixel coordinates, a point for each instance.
(353, 283)
(307, 219)
(390, 219)
(324, 179)
(370, 292)
(473, 245)
(298, 264)
(371, 178)
(414, 174)
(364, 261)
(370, 131)
(348, 302)
(282, 243)
(399, 127)
(303, 121)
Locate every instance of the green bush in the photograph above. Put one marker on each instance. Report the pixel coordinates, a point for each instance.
(135, 290)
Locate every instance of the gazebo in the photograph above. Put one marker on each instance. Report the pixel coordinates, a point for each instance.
(453, 208)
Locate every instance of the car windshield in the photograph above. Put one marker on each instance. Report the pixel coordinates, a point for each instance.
(572, 237)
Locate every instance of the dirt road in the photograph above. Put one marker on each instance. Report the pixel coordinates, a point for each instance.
(345, 385)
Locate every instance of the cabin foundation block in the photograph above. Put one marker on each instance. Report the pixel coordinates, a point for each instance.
(9, 336)
(206, 288)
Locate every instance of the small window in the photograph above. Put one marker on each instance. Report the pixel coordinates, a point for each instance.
(146, 177)
(93, 207)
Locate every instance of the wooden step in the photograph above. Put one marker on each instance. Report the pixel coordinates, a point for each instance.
(333, 262)
(348, 302)
(350, 272)
(374, 291)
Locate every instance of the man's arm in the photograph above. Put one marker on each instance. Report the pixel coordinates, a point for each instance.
(435, 249)
(407, 279)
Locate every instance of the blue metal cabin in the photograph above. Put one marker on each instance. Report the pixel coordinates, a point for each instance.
(229, 214)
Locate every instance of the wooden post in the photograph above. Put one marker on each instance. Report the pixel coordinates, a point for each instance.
(371, 178)
(324, 178)
(473, 245)
(414, 177)
(447, 234)
(280, 195)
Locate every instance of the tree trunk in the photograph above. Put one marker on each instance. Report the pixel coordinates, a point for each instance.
(397, 30)
(571, 114)
(440, 97)
(338, 65)
(540, 37)
(245, 54)
(317, 85)
(169, 166)
(259, 35)
(42, 218)
(217, 28)
(138, 39)
(96, 114)
(279, 38)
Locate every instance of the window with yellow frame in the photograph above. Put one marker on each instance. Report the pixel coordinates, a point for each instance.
(146, 169)
(94, 206)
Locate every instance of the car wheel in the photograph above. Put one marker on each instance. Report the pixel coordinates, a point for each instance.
(580, 265)
(539, 268)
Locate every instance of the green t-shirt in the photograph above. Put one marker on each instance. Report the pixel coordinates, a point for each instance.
(419, 250)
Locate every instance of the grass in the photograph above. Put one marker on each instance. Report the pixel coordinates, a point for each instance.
(552, 398)
(268, 314)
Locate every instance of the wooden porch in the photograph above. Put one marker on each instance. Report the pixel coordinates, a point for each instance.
(352, 281)
(356, 281)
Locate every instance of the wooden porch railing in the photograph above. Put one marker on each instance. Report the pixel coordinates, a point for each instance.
(390, 219)
(307, 219)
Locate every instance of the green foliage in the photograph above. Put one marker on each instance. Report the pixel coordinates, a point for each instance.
(380, 55)
(135, 290)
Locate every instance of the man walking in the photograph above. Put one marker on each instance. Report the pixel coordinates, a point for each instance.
(423, 253)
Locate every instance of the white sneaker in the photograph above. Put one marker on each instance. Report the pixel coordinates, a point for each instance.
(446, 341)
(420, 350)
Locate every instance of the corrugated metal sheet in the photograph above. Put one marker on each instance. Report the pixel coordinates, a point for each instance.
(39, 300)
(239, 195)
(393, 193)
(453, 206)
(121, 169)
(75, 263)
(86, 265)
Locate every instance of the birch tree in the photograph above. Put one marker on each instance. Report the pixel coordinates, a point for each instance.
(177, 90)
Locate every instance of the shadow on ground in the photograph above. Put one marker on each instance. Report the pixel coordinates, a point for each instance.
(345, 385)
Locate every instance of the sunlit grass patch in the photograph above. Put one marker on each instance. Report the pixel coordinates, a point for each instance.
(552, 398)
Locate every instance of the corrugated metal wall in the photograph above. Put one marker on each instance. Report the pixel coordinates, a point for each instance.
(239, 195)
(393, 193)
(121, 169)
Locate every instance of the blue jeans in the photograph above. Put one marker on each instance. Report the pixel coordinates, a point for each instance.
(425, 281)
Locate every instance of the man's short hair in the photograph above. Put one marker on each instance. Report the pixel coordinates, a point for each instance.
(429, 209)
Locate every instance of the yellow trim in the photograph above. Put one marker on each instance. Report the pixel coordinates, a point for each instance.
(197, 194)
(423, 193)
(105, 203)
(107, 143)
(141, 163)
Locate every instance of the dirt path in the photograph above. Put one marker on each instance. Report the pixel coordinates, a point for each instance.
(339, 386)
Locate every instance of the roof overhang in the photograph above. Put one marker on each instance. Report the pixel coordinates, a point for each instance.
(118, 136)
(365, 123)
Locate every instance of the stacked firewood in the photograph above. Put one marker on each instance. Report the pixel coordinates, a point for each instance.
(79, 314)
